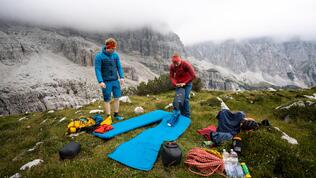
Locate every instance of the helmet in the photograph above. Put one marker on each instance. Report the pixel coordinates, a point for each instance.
(249, 125)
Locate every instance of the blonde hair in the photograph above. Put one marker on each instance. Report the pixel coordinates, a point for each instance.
(110, 40)
(176, 54)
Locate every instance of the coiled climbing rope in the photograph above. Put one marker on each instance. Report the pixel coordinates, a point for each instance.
(203, 163)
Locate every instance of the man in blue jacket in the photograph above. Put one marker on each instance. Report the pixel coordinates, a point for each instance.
(108, 70)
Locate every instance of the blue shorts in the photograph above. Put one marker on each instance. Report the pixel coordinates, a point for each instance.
(111, 86)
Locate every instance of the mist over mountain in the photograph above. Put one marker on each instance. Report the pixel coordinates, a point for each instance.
(291, 62)
(46, 67)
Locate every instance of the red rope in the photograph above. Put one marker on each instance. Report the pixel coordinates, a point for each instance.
(206, 163)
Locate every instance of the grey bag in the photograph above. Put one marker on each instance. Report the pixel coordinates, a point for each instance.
(70, 150)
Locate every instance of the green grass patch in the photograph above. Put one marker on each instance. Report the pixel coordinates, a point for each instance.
(266, 154)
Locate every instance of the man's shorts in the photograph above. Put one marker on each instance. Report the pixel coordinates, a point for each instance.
(111, 86)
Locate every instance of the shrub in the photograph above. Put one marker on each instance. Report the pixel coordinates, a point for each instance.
(158, 85)
(197, 84)
(162, 84)
(297, 113)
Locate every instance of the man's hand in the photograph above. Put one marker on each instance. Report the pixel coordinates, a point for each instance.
(122, 81)
(102, 85)
(180, 84)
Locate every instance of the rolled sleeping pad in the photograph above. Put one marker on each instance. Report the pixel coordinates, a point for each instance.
(178, 103)
(174, 118)
(178, 100)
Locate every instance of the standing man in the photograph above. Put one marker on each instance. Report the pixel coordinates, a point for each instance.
(107, 69)
(181, 76)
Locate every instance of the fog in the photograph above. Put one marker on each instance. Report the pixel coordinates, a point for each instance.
(194, 21)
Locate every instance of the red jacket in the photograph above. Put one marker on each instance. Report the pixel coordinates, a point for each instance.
(182, 74)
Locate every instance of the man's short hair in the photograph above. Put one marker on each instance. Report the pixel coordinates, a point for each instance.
(176, 54)
(110, 41)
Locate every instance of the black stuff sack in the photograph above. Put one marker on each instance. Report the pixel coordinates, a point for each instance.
(70, 150)
(170, 153)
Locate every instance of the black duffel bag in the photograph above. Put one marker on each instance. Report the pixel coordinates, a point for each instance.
(70, 150)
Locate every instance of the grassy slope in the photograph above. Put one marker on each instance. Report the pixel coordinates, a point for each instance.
(264, 151)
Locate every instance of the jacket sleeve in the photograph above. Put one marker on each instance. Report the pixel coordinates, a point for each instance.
(97, 67)
(171, 76)
(191, 72)
(119, 67)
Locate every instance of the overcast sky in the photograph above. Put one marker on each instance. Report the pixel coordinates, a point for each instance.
(193, 20)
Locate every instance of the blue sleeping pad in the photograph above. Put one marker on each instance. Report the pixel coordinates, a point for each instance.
(141, 152)
(133, 123)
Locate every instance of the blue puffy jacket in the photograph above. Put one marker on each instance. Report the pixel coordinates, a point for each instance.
(229, 121)
(107, 66)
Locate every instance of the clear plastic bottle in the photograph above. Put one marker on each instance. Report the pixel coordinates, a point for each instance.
(240, 172)
(227, 163)
(234, 162)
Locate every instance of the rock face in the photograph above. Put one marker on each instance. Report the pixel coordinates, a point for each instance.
(47, 68)
(18, 42)
(50, 68)
(147, 43)
(290, 62)
(215, 80)
(46, 96)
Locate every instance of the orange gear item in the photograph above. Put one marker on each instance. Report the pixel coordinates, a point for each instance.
(103, 128)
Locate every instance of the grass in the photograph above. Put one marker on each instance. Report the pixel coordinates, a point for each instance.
(266, 154)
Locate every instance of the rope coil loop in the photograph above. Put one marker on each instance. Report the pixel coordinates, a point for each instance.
(206, 163)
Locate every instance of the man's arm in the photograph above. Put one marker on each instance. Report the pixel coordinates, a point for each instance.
(119, 67)
(171, 76)
(97, 67)
(189, 68)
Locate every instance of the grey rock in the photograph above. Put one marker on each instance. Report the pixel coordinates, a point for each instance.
(292, 60)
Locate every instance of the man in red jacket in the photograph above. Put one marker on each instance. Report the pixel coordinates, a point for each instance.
(181, 76)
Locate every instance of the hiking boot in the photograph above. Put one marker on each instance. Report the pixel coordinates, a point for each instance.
(107, 121)
(118, 117)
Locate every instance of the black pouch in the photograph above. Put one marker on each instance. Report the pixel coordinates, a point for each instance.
(237, 144)
(170, 153)
(249, 125)
(70, 150)
(265, 122)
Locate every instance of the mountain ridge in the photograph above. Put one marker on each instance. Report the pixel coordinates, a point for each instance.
(30, 54)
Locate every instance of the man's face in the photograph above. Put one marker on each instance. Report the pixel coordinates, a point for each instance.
(110, 50)
(177, 63)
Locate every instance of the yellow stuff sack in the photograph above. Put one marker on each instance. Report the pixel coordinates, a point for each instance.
(75, 125)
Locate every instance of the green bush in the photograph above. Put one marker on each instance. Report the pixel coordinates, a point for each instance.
(197, 84)
(297, 113)
(273, 156)
(129, 91)
(158, 85)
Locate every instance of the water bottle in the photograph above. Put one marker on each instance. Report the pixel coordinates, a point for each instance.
(245, 170)
(227, 164)
(240, 172)
(234, 162)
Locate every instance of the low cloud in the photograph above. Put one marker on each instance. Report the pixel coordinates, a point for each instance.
(193, 21)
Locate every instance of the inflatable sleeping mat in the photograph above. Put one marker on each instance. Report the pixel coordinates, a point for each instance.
(133, 123)
(141, 152)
